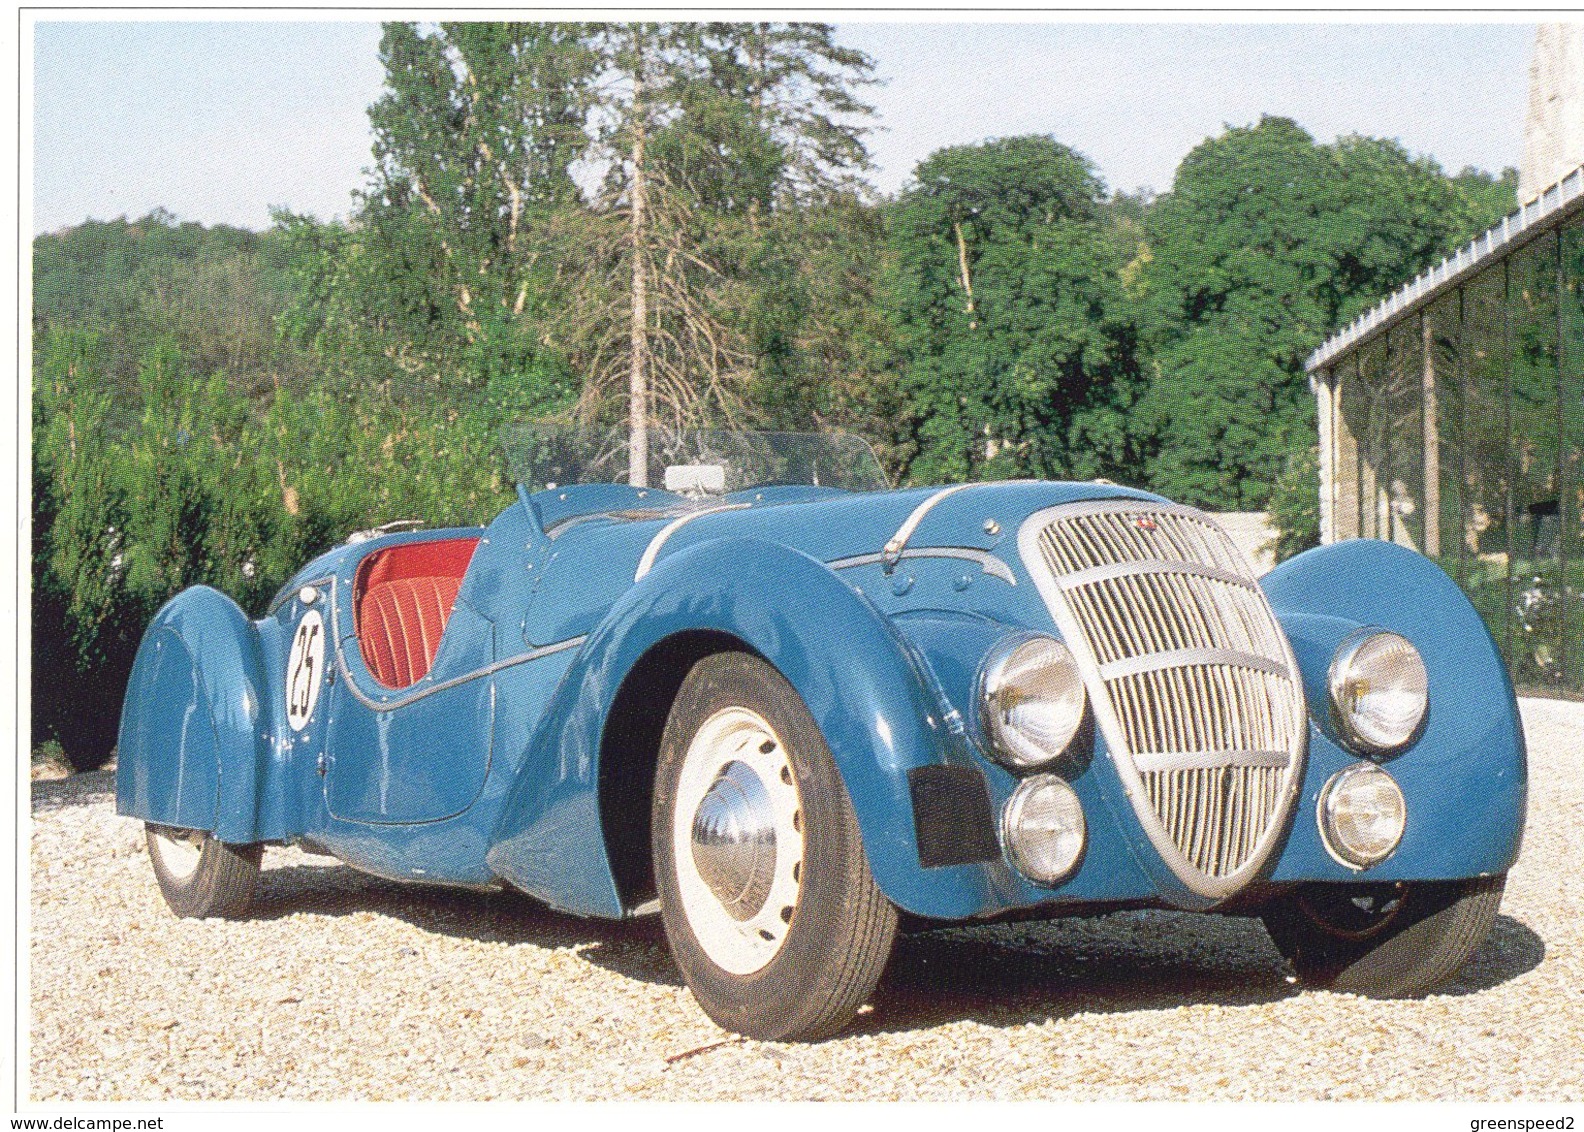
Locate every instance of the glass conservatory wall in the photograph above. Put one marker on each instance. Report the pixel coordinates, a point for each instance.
(1570, 543)
(1445, 408)
(1374, 449)
(1460, 433)
(1486, 448)
(1402, 434)
(1535, 630)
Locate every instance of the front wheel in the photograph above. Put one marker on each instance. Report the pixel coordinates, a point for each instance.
(199, 876)
(769, 905)
(1385, 940)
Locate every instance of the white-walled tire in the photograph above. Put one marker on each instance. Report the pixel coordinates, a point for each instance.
(769, 905)
(199, 876)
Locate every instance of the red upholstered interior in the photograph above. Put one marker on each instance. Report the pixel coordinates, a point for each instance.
(404, 597)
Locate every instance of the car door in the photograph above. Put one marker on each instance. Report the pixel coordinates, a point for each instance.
(415, 753)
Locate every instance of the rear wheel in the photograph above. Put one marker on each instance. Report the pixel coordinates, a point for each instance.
(769, 905)
(1390, 940)
(199, 876)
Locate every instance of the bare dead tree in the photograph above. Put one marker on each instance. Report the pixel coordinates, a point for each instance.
(642, 320)
(638, 363)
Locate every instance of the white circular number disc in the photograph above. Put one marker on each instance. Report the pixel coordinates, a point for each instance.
(305, 670)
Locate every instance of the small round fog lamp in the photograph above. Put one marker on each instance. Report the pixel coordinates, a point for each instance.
(1362, 815)
(1043, 827)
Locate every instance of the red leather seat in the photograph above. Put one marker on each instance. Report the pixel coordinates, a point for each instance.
(404, 599)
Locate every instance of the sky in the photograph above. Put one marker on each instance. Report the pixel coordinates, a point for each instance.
(218, 122)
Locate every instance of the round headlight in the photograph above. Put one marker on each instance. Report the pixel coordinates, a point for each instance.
(1362, 815)
(1379, 690)
(1043, 827)
(1031, 702)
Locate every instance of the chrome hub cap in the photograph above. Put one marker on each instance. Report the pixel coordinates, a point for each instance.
(734, 842)
(179, 850)
(737, 840)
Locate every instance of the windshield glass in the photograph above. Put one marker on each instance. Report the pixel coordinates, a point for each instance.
(693, 462)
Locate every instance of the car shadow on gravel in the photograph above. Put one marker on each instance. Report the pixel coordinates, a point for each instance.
(1014, 975)
(84, 789)
(1132, 961)
(1511, 949)
(1000, 975)
(635, 948)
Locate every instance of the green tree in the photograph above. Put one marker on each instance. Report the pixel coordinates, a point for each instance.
(84, 637)
(799, 90)
(806, 235)
(1295, 504)
(217, 292)
(1482, 200)
(1010, 315)
(820, 329)
(440, 285)
(1266, 243)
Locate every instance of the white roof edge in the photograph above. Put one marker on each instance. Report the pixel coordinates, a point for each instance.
(1530, 219)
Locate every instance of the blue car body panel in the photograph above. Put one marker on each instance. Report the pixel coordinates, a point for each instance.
(487, 770)
(854, 674)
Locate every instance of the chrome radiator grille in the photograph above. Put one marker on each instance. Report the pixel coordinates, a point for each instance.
(1193, 683)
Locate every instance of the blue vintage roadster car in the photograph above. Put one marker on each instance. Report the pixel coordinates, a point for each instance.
(791, 710)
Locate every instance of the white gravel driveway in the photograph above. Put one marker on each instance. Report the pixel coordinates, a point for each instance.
(346, 987)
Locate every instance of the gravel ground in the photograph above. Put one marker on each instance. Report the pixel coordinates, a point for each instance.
(346, 987)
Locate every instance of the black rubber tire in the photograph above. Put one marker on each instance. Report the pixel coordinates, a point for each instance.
(222, 884)
(842, 932)
(1403, 951)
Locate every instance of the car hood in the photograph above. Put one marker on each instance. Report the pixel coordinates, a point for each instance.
(597, 555)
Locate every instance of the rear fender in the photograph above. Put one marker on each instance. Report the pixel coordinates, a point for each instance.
(860, 680)
(190, 743)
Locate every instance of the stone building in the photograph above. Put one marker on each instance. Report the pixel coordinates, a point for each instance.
(1554, 129)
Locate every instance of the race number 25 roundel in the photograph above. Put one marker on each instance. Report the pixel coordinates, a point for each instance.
(305, 670)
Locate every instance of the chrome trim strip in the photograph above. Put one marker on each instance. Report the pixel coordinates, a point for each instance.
(1209, 760)
(1187, 658)
(988, 562)
(370, 702)
(893, 547)
(391, 527)
(1080, 578)
(325, 583)
(652, 551)
(557, 529)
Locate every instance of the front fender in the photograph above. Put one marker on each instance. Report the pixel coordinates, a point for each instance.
(1465, 777)
(190, 743)
(860, 680)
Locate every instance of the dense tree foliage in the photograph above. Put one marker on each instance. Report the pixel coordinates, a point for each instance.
(669, 222)
(215, 292)
(1266, 242)
(1011, 320)
(441, 284)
